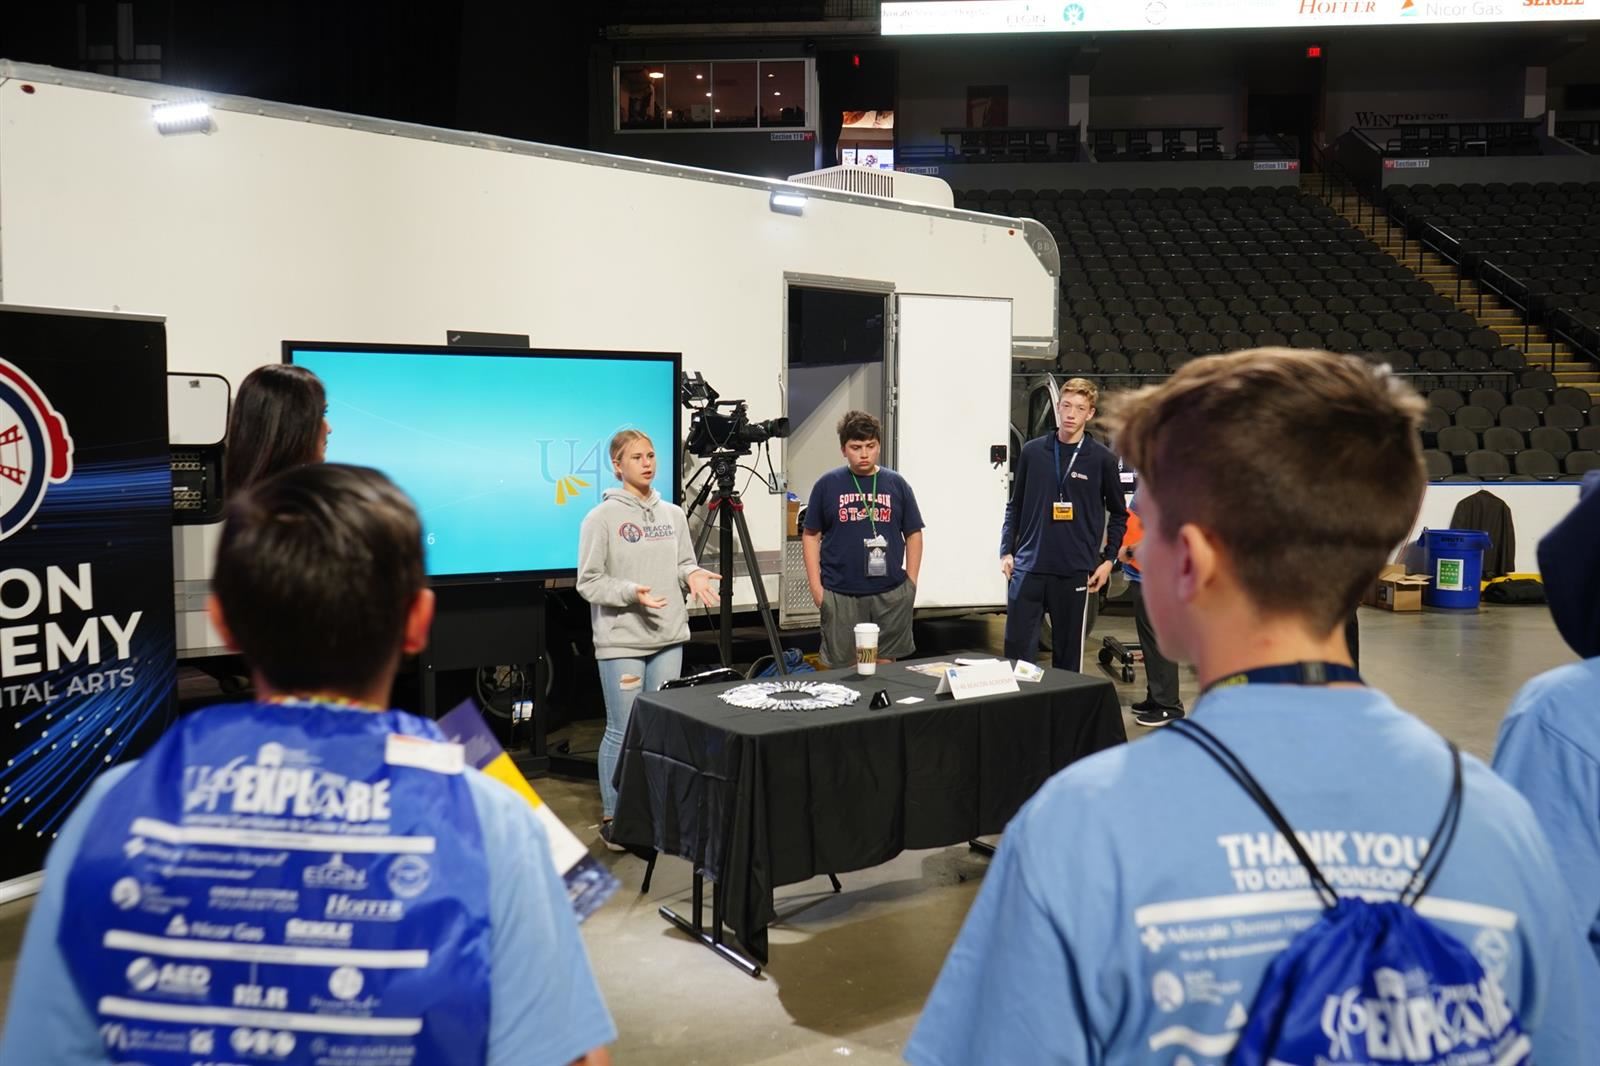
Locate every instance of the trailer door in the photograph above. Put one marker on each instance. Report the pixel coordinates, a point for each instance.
(951, 404)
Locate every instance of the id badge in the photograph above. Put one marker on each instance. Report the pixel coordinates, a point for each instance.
(1061, 511)
(877, 556)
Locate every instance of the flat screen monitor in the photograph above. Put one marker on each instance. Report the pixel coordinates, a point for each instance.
(503, 450)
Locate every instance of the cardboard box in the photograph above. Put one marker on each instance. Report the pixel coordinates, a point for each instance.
(792, 522)
(1395, 590)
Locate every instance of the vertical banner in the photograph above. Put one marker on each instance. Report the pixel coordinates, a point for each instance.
(88, 661)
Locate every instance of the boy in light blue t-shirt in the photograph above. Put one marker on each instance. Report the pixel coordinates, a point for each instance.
(1549, 745)
(342, 833)
(1273, 484)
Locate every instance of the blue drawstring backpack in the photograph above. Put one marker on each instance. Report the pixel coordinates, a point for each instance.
(793, 661)
(1372, 983)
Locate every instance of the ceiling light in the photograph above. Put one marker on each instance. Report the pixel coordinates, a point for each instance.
(699, 77)
(708, 94)
(658, 74)
(193, 116)
(777, 94)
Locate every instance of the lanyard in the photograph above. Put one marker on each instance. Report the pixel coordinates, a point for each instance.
(338, 703)
(1312, 673)
(1061, 484)
(872, 501)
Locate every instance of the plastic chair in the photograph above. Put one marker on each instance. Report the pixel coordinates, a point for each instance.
(1503, 440)
(1457, 441)
(1537, 463)
(1517, 417)
(1488, 466)
(1447, 400)
(1489, 399)
(1575, 398)
(1560, 416)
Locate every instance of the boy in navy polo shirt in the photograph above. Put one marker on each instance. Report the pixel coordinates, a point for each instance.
(1064, 524)
(863, 547)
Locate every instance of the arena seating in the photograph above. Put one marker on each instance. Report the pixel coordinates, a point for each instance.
(1433, 139)
(1542, 434)
(1152, 278)
(1141, 143)
(1538, 246)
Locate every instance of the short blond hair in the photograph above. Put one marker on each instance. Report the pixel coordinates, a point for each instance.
(1082, 387)
(1305, 466)
(622, 439)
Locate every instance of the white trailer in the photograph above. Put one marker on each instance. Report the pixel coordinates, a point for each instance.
(277, 222)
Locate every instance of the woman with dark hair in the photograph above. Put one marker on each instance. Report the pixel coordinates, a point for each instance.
(279, 421)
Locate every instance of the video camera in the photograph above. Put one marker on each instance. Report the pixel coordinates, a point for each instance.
(721, 427)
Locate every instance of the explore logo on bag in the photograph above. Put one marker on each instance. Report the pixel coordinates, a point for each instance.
(1411, 1020)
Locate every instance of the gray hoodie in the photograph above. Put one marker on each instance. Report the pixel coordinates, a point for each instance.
(626, 542)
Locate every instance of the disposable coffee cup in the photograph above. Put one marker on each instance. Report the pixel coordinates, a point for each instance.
(867, 648)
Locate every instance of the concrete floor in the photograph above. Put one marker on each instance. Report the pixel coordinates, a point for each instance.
(849, 973)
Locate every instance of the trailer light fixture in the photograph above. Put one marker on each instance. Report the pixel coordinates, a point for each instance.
(192, 116)
(788, 203)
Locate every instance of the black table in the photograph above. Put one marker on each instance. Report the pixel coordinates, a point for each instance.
(758, 799)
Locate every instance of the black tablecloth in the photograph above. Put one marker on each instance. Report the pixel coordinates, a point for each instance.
(758, 799)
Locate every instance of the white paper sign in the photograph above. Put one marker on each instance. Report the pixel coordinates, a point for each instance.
(422, 754)
(980, 679)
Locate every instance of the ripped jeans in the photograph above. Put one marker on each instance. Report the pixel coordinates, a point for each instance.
(622, 680)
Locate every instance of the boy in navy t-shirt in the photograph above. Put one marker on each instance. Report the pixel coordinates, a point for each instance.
(863, 547)
(1273, 485)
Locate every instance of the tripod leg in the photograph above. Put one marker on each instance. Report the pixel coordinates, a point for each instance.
(728, 506)
(736, 506)
(704, 535)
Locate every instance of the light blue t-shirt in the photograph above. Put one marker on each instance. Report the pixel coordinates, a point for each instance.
(545, 1007)
(1549, 749)
(1138, 898)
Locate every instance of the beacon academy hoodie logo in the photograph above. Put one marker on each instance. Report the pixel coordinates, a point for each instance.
(35, 449)
(633, 533)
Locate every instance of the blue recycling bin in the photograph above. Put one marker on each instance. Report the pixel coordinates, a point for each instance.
(1455, 567)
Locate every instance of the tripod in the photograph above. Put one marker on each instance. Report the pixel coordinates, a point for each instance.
(726, 512)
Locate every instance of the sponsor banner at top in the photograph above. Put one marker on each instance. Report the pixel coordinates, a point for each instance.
(1095, 16)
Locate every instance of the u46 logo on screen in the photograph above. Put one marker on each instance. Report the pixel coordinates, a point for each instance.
(35, 448)
(581, 470)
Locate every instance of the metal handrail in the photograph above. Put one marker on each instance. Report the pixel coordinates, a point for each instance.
(1583, 337)
(1486, 275)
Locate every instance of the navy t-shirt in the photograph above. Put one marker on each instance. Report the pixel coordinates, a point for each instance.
(839, 510)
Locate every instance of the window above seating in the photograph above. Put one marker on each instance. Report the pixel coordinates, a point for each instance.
(714, 95)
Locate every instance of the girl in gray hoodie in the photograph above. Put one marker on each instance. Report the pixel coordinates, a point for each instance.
(634, 556)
